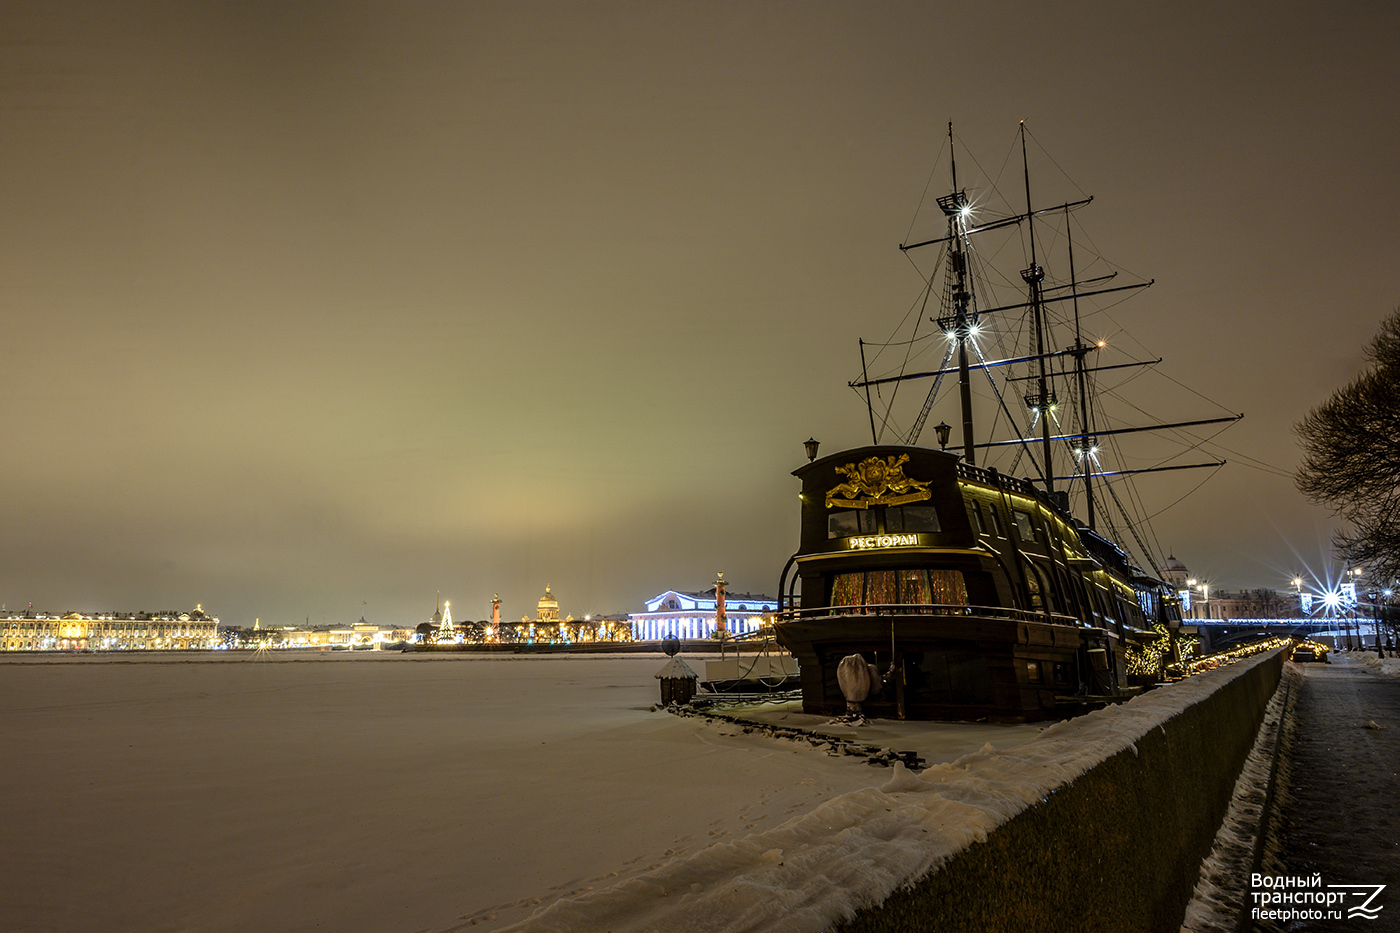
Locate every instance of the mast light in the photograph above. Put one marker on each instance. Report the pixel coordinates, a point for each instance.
(955, 203)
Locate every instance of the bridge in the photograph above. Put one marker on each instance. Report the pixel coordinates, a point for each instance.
(1218, 634)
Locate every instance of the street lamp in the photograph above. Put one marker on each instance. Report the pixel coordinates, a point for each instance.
(1204, 589)
(1381, 614)
(1352, 574)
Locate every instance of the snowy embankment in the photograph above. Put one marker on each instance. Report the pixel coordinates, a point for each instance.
(1107, 816)
(1219, 901)
(1390, 667)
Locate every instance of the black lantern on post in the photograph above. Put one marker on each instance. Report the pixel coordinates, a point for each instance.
(811, 444)
(942, 429)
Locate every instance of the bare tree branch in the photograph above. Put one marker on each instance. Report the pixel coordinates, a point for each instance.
(1351, 462)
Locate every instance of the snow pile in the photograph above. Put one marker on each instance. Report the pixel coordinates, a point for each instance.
(1389, 666)
(676, 669)
(854, 850)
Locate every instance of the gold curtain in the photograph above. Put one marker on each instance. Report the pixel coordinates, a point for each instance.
(949, 588)
(846, 589)
(913, 588)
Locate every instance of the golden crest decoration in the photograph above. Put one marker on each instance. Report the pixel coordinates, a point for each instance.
(875, 481)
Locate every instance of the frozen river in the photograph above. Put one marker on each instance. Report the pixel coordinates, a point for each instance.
(373, 791)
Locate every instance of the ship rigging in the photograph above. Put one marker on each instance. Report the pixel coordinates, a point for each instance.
(990, 330)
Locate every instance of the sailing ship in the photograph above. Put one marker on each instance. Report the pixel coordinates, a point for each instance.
(973, 592)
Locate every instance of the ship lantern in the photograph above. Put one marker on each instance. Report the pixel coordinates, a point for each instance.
(942, 429)
(811, 444)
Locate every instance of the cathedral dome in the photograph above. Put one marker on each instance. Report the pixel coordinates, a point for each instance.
(548, 612)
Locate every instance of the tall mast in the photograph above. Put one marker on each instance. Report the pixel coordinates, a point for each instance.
(960, 325)
(1086, 445)
(1033, 276)
(869, 407)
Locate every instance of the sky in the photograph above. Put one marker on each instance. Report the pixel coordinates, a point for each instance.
(319, 310)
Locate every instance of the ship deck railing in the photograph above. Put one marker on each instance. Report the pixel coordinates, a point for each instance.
(990, 477)
(885, 610)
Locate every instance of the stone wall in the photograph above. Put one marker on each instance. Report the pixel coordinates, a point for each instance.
(1117, 848)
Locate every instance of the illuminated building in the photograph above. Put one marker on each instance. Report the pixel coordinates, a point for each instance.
(1202, 600)
(547, 628)
(694, 615)
(364, 634)
(547, 610)
(76, 631)
(359, 634)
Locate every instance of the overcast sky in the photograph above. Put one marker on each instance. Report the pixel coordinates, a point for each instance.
(314, 310)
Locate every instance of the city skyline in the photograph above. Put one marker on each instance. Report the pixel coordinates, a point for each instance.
(317, 311)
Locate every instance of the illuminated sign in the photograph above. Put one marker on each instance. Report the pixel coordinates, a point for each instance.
(867, 542)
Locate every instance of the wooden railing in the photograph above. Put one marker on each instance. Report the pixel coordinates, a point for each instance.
(925, 609)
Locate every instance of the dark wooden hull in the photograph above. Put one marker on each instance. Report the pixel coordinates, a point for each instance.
(946, 667)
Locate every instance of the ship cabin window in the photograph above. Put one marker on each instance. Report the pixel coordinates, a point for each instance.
(1042, 597)
(1133, 614)
(1025, 528)
(916, 587)
(977, 518)
(1032, 672)
(1033, 585)
(1150, 602)
(911, 518)
(996, 522)
(849, 522)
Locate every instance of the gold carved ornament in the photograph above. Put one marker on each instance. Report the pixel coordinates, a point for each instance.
(876, 481)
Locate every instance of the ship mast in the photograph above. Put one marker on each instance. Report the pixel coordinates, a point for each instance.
(961, 322)
(1087, 445)
(1043, 402)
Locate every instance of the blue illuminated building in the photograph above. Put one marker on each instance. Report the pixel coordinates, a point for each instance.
(692, 615)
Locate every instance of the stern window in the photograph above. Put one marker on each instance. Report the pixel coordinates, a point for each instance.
(849, 522)
(907, 518)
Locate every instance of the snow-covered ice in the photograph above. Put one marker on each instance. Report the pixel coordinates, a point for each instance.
(393, 792)
(373, 791)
